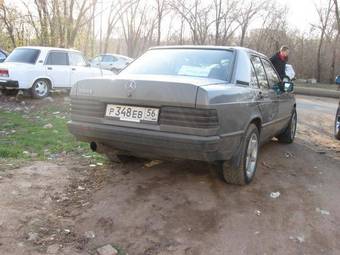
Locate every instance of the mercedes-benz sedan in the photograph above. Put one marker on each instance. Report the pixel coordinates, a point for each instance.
(215, 104)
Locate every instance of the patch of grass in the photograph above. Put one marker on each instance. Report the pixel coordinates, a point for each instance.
(23, 136)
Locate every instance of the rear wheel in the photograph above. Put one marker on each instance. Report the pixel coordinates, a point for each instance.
(289, 134)
(241, 169)
(337, 125)
(40, 88)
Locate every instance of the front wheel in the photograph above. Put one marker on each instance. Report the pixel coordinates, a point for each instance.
(241, 169)
(337, 125)
(289, 134)
(40, 89)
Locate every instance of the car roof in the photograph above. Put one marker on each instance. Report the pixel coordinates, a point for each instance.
(210, 47)
(47, 48)
(113, 54)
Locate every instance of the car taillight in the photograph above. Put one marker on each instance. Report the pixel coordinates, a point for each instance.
(189, 117)
(3, 73)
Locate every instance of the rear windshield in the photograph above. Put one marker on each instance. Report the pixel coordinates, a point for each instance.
(23, 56)
(206, 63)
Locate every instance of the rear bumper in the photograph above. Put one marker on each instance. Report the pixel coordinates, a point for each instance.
(9, 84)
(157, 144)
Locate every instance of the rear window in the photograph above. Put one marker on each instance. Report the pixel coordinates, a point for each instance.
(207, 63)
(23, 56)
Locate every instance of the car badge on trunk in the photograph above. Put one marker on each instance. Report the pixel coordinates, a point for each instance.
(130, 86)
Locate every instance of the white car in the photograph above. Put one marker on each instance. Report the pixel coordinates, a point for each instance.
(40, 69)
(112, 62)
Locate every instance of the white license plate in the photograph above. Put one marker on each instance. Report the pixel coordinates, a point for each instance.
(132, 113)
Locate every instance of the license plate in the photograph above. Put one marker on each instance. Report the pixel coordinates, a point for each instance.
(132, 113)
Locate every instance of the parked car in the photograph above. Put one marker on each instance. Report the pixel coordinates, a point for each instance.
(215, 104)
(3, 55)
(40, 69)
(337, 116)
(112, 62)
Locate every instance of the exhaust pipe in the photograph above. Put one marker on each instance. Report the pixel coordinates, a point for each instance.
(99, 148)
(93, 146)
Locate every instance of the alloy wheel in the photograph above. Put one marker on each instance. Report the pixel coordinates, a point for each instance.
(251, 158)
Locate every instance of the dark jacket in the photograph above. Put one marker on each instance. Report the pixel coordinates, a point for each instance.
(279, 65)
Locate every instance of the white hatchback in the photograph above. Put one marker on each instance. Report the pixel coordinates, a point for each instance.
(40, 69)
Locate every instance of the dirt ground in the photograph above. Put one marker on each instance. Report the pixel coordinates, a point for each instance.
(65, 206)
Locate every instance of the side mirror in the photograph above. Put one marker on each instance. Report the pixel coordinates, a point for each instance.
(288, 86)
(337, 80)
(2, 60)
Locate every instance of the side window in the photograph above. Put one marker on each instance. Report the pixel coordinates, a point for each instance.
(109, 58)
(76, 59)
(253, 79)
(57, 58)
(2, 57)
(260, 73)
(271, 74)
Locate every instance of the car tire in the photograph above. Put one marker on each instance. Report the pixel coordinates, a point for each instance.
(240, 170)
(40, 88)
(289, 134)
(337, 125)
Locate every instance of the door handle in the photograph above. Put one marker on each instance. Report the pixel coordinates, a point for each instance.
(49, 68)
(73, 69)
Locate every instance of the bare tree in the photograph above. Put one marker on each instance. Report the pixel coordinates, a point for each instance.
(323, 15)
(161, 7)
(272, 32)
(7, 16)
(336, 40)
(137, 27)
(64, 18)
(246, 15)
(197, 17)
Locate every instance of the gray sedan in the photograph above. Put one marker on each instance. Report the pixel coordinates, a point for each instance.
(215, 104)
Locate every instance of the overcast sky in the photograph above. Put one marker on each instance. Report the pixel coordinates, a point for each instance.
(301, 13)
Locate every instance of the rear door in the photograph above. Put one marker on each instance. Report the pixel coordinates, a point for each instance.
(284, 98)
(57, 68)
(79, 68)
(266, 98)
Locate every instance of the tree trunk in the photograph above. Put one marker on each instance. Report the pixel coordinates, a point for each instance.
(334, 54)
(318, 61)
(159, 30)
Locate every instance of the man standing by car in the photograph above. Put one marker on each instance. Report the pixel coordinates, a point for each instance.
(279, 61)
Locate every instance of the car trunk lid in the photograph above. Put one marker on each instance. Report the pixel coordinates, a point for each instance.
(144, 90)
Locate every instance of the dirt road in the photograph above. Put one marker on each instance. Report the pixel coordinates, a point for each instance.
(181, 207)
